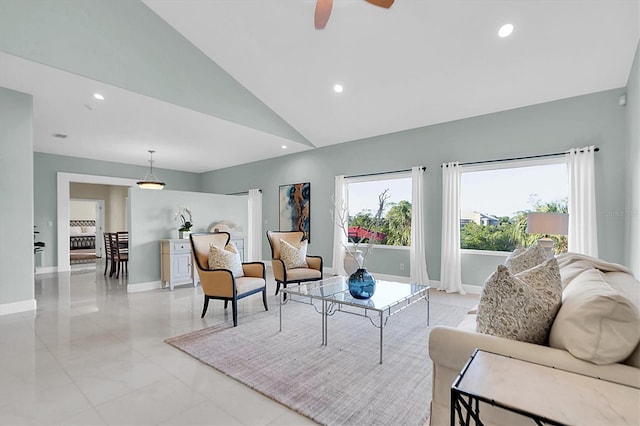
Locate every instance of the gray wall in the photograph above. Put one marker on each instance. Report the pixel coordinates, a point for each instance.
(550, 127)
(46, 167)
(16, 189)
(125, 44)
(632, 211)
(114, 197)
(153, 218)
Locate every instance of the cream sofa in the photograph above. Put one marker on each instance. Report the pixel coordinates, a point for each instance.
(615, 303)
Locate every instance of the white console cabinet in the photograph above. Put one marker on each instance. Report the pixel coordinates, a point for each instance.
(239, 243)
(176, 263)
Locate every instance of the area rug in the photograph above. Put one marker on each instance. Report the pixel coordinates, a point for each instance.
(341, 383)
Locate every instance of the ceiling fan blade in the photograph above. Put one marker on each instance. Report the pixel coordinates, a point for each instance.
(382, 3)
(323, 11)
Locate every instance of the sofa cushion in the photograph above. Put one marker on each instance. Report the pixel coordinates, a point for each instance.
(294, 256)
(521, 260)
(521, 306)
(227, 258)
(599, 320)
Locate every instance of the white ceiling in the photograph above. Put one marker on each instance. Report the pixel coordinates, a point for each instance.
(419, 63)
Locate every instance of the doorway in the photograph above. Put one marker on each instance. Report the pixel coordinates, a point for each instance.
(86, 226)
(63, 199)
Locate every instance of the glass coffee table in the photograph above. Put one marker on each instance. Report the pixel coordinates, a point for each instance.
(333, 296)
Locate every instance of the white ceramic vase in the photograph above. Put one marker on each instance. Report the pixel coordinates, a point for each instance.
(350, 264)
(184, 234)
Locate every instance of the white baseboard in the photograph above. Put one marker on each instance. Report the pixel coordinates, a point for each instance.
(17, 307)
(472, 289)
(386, 277)
(46, 270)
(151, 285)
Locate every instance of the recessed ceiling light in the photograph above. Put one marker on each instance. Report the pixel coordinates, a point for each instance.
(284, 147)
(505, 30)
(338, 88)
(98, 96)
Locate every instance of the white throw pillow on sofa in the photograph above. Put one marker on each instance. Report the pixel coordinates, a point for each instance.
(521, 306)
(599, 320)
(521, 260)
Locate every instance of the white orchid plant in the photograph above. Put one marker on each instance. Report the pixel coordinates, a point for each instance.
(184, 214)
(357, 245)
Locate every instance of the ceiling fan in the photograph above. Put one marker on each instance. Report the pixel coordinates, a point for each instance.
(323, 10)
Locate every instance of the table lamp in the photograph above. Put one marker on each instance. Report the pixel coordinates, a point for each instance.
(547, 224)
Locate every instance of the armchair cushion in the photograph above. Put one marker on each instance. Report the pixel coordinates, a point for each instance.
(247, 284)
(303, 274)
(294, 256)
(227, 258)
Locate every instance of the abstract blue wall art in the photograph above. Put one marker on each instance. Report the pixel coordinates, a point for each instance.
(295, 208)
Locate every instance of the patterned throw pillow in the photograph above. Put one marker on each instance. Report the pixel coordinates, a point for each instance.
(522, 306)
(229, 258)
(293, 257)
(521, 260)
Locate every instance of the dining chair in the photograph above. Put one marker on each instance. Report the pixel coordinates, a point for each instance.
(108, 253)
(121, 251)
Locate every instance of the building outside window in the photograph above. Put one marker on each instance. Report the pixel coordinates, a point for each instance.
(495, 199)
(365, 196)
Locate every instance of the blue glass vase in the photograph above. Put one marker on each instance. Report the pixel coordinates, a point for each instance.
(362, 285)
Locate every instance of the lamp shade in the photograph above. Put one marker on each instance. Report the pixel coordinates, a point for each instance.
(548, 223)
(150, 180)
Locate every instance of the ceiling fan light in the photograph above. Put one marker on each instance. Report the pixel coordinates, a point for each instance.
(150, 180)
(505, 30)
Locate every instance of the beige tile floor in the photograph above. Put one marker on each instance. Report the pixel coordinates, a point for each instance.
(93, 354)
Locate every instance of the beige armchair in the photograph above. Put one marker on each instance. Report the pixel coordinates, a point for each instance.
(288, 276)
(220, 283)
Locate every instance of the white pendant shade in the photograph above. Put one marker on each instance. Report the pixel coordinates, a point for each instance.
(150, 180)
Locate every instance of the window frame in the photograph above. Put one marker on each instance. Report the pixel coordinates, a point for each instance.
(380, 177)
(511, 164)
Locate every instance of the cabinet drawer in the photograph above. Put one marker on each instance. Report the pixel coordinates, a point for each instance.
(181, 247)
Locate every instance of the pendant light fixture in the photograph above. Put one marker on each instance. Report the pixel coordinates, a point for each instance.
(150, 180)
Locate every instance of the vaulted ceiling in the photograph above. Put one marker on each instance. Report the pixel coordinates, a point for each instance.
(215, 83)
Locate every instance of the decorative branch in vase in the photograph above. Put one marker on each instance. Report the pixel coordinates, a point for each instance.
(361, 283)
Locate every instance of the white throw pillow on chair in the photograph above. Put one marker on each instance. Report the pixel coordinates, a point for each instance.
(292, 256)
(229, 258)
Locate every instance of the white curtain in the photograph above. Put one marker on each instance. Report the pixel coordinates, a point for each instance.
(417, 252)
(450, 270)
(583, 232)
(254, 234)
(339, 236)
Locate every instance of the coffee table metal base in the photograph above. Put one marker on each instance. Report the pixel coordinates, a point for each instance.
(377, 316)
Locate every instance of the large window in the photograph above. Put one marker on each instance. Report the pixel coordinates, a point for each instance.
(494, 203)
(380, 209)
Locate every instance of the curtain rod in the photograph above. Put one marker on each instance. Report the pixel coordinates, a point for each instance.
(499, 160)
(382, 173)
(242, 192)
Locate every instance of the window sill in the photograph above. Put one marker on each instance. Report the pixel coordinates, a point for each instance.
(378, 247)
(485, 252)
